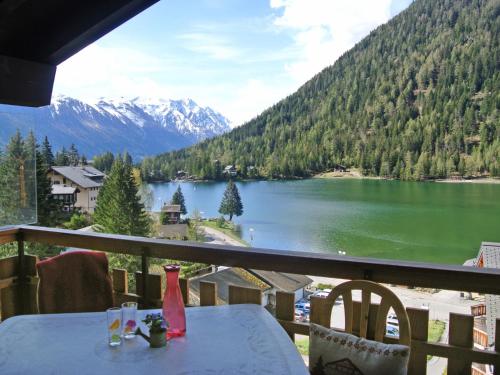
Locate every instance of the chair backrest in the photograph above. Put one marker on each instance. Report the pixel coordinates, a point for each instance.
(76, 281)
(388, 300)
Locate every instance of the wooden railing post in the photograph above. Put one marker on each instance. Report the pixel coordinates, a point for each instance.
(184, 285)
(21, 274)
(497, 344)
(460, 334)
(145, 272)
(285, 308)
(239, 294)
(419, 323)
(208, 293)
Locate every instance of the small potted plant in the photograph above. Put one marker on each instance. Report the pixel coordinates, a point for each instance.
(157, 330)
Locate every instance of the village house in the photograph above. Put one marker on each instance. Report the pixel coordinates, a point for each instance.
(230, 171)
(485, 314)
(269, 282)
(86, 182)
(172, 213)
(66, 195)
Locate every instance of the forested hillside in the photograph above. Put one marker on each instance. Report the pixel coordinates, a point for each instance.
(417, 98)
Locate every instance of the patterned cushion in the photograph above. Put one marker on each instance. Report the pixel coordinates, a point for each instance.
(332, 352)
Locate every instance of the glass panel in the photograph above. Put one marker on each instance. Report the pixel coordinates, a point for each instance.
(17, 171)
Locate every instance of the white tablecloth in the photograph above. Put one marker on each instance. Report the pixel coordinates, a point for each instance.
(237, 339)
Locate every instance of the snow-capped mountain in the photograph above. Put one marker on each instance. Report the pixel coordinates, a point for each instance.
(140, 126)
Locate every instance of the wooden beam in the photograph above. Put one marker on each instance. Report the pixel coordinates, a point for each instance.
(208, 293)
(25, 83)
(461, 335)
(450, 277)
(184, 285)
(239, 294)
(419, 323)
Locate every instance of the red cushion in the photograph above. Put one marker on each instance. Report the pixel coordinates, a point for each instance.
(76, 281)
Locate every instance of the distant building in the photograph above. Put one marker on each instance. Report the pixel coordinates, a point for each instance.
(269, 282)
(339, 168)
(181, 174)
(230, 171)
(229, 276)
(173, 213)
(284, 282)
(486, 314)
(86, 180)
(66, 195)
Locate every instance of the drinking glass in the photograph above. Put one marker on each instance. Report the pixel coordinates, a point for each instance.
(129, 319)
(114, 316)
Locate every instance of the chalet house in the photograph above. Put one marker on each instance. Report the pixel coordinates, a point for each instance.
(284, 282)
(181, 175)
(230, 171)
(173, 212)
(86, 181)
(66, 194)
(486, 314)
(267, 281)
(340, 168)
(224, 277)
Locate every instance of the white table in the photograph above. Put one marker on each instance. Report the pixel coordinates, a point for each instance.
(237, 339)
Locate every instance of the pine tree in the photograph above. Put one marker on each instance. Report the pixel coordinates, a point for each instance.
(49, 210)
(47, 155)
(73, 156)
(231, 202)
(62, 158)
(178, 198)
(118, 207)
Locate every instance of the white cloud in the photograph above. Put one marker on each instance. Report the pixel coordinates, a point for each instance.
(212, 46)
(251, 99)
(324, 29)
(110, 71)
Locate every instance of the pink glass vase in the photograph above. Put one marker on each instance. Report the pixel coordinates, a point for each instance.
(173, 305)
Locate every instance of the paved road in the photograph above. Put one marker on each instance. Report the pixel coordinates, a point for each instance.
(219, 238)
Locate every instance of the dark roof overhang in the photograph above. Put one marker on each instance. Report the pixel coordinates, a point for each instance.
(37, 35)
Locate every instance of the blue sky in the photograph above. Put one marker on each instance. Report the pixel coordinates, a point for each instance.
(237, 56)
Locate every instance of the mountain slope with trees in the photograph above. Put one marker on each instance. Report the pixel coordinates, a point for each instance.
(417, 98)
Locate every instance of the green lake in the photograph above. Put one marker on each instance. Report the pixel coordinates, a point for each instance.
(431, 222)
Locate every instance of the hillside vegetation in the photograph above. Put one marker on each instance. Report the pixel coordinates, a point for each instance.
(417, 98)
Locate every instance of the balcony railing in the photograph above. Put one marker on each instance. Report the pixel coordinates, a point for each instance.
(18, 284)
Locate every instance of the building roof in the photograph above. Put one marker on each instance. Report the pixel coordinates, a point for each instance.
(489, 255)
(176, 208)
(58, 189)
(229, 276)
(36, 36)
(287, 282)
(86, 177)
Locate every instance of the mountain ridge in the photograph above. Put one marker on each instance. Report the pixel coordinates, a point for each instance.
(417, 98)
(138, 126)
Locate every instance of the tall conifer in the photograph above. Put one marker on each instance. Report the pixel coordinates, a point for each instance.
(231, 202)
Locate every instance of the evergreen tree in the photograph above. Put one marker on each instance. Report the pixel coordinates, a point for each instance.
(47, 155)
(49, 210)
(62, 158)
(73, 156)
(423, 84)
(231, 202)
(118, 207)
(103, 162)
(178, 198)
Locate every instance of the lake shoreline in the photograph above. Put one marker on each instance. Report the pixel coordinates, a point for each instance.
(357, 175)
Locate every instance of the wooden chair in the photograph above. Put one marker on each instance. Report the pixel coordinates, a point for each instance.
(388, 300)
(76, 281)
